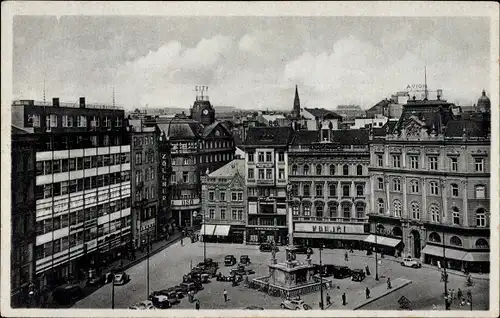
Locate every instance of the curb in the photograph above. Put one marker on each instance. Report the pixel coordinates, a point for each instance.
(387, 292)
(138, 260)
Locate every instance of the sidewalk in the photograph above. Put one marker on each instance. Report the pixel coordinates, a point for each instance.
(398, 260)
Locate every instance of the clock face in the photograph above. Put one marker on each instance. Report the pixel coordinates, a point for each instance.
(205, 112)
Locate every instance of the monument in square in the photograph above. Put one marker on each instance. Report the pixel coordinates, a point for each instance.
(292, 277)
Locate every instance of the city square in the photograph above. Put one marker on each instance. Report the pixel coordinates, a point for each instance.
(168, 266)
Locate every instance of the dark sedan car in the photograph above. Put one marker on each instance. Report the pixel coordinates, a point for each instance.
(229, 260)
(300, 249)
(266, 247)
(67, 294)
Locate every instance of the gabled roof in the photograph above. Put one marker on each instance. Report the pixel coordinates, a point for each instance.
(180, 127)
(230, 169)
(321, 112)
(268, 136)
(208, 129)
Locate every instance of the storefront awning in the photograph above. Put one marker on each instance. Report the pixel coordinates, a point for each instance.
(207, 229)
(477, 257)
(382, 240)
(331, 236)
(222, 230)
(448, 252)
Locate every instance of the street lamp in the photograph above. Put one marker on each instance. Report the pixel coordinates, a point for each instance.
(112, 291)
(446, 301)
(147, 295)
(321, 276)
(376, 252)
(204, 239)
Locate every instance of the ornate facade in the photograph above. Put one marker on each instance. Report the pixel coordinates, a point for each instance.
(430, 183)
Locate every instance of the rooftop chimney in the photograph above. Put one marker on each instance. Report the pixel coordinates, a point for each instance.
(82, 102)
(55, 101)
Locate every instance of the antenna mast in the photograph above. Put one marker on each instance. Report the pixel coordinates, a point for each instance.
(44, 89)
(113, 95)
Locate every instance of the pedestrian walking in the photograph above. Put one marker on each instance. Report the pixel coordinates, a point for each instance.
(197, 305)
(182, 242)
(344, 300)
(469, 295)
(346, 256)
(453, 294)
(389, 286)
(367, 270)
(225, 295)
(328, 299)
(460, 295)
(367, 292)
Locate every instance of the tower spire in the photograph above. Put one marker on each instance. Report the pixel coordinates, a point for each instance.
(296, 103)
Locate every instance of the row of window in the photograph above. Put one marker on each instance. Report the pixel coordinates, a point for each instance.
(332, 190)
(432, 162)
(333, 210)
(76, 185)
(216, 157)
(63, 165)
(207, 144)
(332, 170)
(87, 214)
(186, 177)
(236, 214)
(265, 174)
(149, 174)
(480, 190)
(49, 142)
(265, 221)
(146, 140)
(64, 243)
(456, 241)
(148, 213)
(149, 157)
(52, 120)
(235, 196)
(266, 156)
(146, 193)
(434, 212)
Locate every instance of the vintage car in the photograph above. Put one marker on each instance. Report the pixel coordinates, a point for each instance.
(161, 302)
(143, 305)
(191, 286)
(358, 275)
(229, 260)
(121, 278)
(241, 270)
(245, 259)
(294, 304)
(341, 272)
(301, 249)
(67, 294)
(411, 262)
(266, 247)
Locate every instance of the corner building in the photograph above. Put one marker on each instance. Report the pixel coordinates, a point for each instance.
(82, 189)
(430, 182)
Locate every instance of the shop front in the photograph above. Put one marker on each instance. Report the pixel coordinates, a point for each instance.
(331, 235)
(222, 233)
(461, 260)
(259, 235)
(385, 245)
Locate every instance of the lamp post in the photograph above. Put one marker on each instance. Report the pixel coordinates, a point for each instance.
(147, 258)
(204, 239)
(376, 252)
(446, 300)
(321, 306)
(112, 291)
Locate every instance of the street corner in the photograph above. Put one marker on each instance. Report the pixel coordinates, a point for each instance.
(379, 291)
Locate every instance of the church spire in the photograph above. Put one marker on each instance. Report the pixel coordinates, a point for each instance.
(296, 103)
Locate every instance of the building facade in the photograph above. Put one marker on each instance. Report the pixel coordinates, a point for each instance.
(266, 181)
(23, 207)
(329, 187)
(430, 182)
(223, 204)
(145, 182)
(82, 189)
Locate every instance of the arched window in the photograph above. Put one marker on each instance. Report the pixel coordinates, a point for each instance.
(332, 170)
(415, 210)
(359, 170)
(482, 243)
(306, 169)
(434, 237)
(360, 210)
(397, 208)
(455, 215)
(454, 190)
(396, 185)
(480, 192)
(319, 211)
(455, 240)
(307, 192)
(414, 186)
(435, 213)
(381, 206)
(434, 188)
(345, 170)
(480, 217)
(380, 182)
(294, 169)
(396, 231)
(333, 207)
(318, 170)
(346, 210)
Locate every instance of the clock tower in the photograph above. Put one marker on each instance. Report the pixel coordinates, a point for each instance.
(202, 110)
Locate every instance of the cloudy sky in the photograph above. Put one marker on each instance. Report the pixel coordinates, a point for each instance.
(247, 62)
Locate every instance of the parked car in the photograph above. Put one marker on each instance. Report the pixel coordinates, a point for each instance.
(67, 294)
(341, 272)
(358, 275)
(411, 262)
(121, 278)
(266, 247)
(294, 304)
(187, 287)
(301, 249)
(245, 259)
(161, 302)
(97, 280)
(143, 305)
(241, 270)
(229, 260)
(178, 290)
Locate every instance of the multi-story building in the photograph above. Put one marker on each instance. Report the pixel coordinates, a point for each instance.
(23, 153)
(329, 186)
(266, 181)
(197, 146)
(223, 203)
(430, 183)
(82, 188)
(145, 180)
